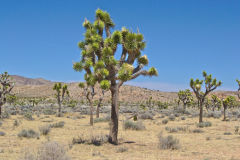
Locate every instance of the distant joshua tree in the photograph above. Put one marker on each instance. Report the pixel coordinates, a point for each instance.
(228, 102)
(238, 88)
(99, 60)
(215, 102)
(210, 85)
(185, 96)
(6, 86)
(62, 92)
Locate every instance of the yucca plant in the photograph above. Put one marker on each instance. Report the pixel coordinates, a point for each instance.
(6, 86)
(185, 96)
(238, 93)
(210, 85)
(228, 102)
(215, 102)
(99, 60)
(62, 92)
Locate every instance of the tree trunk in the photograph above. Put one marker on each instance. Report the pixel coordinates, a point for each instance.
(114, 116)
(184, 107)
(201, 112)
(91, 112)
(224, 113)
(59, 109)
(97, 111)
(0, 110)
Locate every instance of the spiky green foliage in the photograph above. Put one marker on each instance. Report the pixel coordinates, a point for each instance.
(185, 96)
(6, 86)
(99, 60)
(61, 93)
(228, 102)
(238, 82)
(215, 102)
(201, 91)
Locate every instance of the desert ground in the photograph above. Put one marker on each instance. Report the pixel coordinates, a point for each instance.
(219, 141)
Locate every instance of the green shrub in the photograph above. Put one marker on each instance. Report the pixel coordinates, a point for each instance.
(28, 116)
(28, 134)
(168, 142)
(133, 125)
(44, 130)
(165, 121)
(58, 124)
(2, 133)
(204, 124)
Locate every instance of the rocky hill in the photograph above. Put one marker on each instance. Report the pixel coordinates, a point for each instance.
(27, 87)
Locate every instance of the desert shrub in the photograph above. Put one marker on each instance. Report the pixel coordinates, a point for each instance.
(49, 111)
(236, 129)
(204, 124)
(5, 115)
(78, 140)
(1, 123)
(176, 129)
(28, 133)
(214, 114)
(168, 142)
(176, 114)
(146, 115)
(58, 124)
(197, 130)
(48, 151)
(171, 129)
(208, 138)
(2, 133)
(122, 149)
(227, 133)
(171, 117)
(161, 116)
(183, 118)
(28, 116)
(102, 119)
(16, 123)
(165, 121)
(133, 125)
(44, 130)
(98, 140)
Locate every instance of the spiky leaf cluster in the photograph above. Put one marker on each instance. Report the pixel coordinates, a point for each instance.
(185, 96)
(215, 102)
(98, 59)
(6, 86)
(61, 90)
(210, 84)
(229, 102)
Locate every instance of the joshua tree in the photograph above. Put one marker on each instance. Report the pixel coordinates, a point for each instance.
(99, 103)
(6, 86)
(210, 85)
(89, 93)
(215, 102)
(186, 97)
(100, 62)
(62, 91)
(228, 102)
(12, 99)
(238, 88)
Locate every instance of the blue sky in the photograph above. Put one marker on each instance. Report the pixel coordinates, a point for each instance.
(38, 38)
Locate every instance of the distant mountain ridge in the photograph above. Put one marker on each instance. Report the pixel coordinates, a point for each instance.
(20, 80)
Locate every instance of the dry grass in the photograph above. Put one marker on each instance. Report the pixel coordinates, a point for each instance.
(139, 144)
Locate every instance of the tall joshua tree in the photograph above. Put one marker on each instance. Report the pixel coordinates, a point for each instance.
(210, 85)
(228, 102)
(6, 86)
(186, 97)
(62, 91)
(238, 88)
(99, 59)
